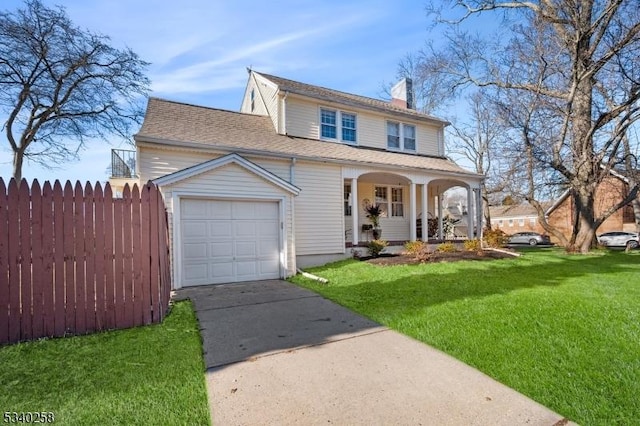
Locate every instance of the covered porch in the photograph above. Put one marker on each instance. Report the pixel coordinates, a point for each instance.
(405, 200)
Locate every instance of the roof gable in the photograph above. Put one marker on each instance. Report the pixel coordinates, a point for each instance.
(233, 158)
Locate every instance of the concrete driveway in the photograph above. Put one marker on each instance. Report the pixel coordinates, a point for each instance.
(277, 354)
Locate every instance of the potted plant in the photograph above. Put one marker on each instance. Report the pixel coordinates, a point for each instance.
(373, 214)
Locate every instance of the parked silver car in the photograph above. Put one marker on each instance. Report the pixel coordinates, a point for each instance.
(619, 239)
(530, 238)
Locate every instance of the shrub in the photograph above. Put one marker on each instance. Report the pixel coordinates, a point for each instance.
(413, 247)
(495, 237)
(376, 246)
(447, 248)
(473, 245)
(418, 249)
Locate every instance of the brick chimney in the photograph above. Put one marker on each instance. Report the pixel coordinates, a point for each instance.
(402, 94)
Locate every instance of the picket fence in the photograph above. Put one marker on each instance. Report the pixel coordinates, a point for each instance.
(77, 261)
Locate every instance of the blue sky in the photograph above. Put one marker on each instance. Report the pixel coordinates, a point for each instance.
(199, 51)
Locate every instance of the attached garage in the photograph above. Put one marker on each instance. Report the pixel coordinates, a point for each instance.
(231, 221)
(228, 241)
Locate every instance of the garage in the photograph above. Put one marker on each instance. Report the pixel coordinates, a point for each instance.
(226, 241)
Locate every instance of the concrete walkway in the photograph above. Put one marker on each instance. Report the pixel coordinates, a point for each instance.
(277, 354)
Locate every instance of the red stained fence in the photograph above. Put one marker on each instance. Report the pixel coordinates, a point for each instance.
(76, 261)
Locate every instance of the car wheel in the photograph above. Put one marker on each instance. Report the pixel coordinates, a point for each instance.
(533, 242)
(632, 244)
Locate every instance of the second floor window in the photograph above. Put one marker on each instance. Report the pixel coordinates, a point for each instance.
(393, 135)
(338, 125)
(348, 127)
(328, 124)
(401, 136)
(409, 137)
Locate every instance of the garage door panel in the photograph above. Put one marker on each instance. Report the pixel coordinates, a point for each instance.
(244, 210)
(195, 251)
(220, 209)
(268, 248)
(246, 249)
(245, 228)
(227, 241)
(194, 209)
(268, 267)
(222, 272)
(194, 229)
(221, 229)
(221, 249)
(267, 210)
(246, 269)
(196, 272)
(268, 229)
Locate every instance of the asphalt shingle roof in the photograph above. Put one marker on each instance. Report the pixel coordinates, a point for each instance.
(179, 124)
(516, 210)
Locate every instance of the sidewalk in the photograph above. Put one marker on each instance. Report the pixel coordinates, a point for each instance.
(279, 354)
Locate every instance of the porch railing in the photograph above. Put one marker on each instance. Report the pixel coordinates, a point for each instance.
(123, 163)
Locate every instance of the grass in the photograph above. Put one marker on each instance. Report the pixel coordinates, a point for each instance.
(139, 376)
(562, 329)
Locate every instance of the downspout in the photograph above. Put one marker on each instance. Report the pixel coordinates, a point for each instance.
(292, 171)
(292, 179)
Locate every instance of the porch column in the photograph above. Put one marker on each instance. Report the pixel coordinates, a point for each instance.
(470, 210)
(412, 211)
(440, 227)
(425, 214)
(479, 211)
(355, 232)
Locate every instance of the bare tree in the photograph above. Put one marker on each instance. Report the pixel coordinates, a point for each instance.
(578, 64)
(477, 141)
(61, 85)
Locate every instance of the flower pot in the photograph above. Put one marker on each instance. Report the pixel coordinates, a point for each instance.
(377, 233)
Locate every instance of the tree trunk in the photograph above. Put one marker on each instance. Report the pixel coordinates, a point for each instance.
(18, 158)
(485, 207)
(584, 234)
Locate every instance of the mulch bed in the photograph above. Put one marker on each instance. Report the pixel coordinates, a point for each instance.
(401, 259)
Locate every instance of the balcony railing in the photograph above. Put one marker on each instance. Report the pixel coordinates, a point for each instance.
(123, 163)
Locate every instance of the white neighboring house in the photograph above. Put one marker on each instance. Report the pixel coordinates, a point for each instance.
(281, 184)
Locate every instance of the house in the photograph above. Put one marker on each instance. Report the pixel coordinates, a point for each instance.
(282, 183)
(515, 218)
(559, 213)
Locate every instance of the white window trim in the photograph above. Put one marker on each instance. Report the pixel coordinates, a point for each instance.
(339, 113)
(401, 136)
(389, 209)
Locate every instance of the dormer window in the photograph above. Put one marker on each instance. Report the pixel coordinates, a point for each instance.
(334, 123)
(401, 136)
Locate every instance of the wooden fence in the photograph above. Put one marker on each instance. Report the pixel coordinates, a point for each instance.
(75, 261)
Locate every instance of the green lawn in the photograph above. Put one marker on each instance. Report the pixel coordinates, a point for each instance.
(146, 375)
(562, 329)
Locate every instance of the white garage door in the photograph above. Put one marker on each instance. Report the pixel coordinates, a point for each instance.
(227, 241)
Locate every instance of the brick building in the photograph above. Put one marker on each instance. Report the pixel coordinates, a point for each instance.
(523, 217)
